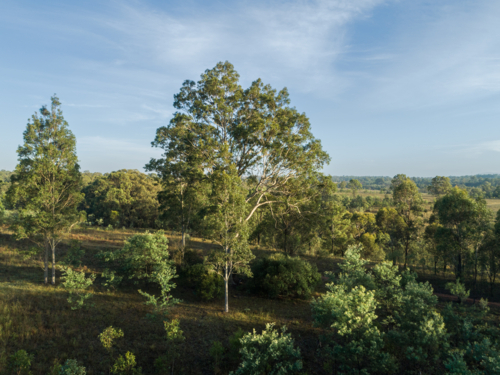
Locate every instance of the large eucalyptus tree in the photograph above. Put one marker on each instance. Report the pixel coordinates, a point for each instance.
(222, 131)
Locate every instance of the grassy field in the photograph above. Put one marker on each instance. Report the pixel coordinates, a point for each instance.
(492, 204)
(38, 319)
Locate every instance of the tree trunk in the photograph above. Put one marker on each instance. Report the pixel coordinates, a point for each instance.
(53, 264)
(183, 237)
(46, 264)
(459, 265)
(226, 302)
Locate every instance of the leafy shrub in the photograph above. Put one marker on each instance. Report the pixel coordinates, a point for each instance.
(270, 353)
(111, 279)
(174, 336)
(126, 365)
(76, 283)
(20, 363)
(75, 254)
(281, 275)
(55, 369)
(458, 289)
(108, 336)
(350, 315)
(71, 367)
(163, 274)
(141, 254)
(207, 284)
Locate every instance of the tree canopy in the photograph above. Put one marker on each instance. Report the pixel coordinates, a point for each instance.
(45, 187)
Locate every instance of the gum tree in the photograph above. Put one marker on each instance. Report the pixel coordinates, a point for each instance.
(46, 184)
(409, 206)
(251, 136)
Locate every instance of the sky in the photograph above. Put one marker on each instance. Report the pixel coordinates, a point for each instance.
(402, 86)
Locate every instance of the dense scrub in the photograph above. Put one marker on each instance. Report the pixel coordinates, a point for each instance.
(285, 276)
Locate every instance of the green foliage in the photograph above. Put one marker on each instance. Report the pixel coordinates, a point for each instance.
(376, 320)
(108, 336)
(75, 254)
(55, 369)
(235, 345)
(142, 254)
(20, 363)
(285, 276)
(208, 285)
(225, 227)
(71, 367)
(439, 185)
(111, 279)
(478, 358)
(458, 289)
(122, 198)
(175, 338)
(76, 283)
(2, 209)
(269, 353)
(350, 315)
(126, 365)
(217, 353)
(236, 139)
(45, 187)
(354, 185)
(409, 207)
(162, 275)
(464, 223)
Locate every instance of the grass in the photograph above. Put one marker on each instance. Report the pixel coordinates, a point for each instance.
(38, 319)
(429, 199)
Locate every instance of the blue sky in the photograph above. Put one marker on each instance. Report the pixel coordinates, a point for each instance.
(408, 86)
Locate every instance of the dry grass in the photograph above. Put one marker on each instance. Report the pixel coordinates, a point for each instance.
(37, 318)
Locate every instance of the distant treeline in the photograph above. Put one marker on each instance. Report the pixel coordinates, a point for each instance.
(488, 185)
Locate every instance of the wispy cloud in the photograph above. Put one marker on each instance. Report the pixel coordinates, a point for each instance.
(278, 40)
(488, 146)
(446, 59)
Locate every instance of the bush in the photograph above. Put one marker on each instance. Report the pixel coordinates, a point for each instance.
(286, 276)
(76, 283)
(458, 289)
(74, 255)
(141, 254)
(270, 353)
(126, 365)
(207, 284)
(20, 363)
(71, 367)
(108, 336)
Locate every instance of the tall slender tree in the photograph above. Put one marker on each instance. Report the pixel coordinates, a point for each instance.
(409, 205)
(252, 135)
(464, 222)
(46, 183)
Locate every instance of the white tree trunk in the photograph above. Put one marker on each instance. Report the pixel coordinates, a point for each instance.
(226, 302)
(46, 264)
(53, 263)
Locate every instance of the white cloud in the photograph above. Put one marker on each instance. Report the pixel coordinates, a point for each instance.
(489, 146)
(288, 42)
